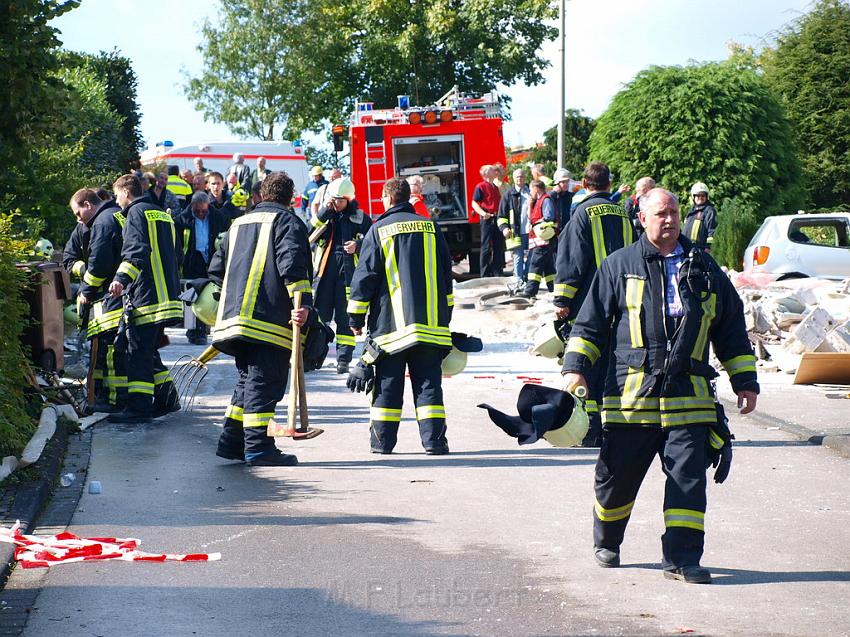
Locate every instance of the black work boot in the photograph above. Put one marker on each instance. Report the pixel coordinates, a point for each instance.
(606, 558)
(694, 574)
(274, 459)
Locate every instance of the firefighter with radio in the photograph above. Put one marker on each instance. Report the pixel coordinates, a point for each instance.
(658, 304)
(403, 282)
(263, 261)
(542, 217)
(341, 226)
(513, 222)
(105, 221)
(148, 284)
(597, 227)
(701, 220)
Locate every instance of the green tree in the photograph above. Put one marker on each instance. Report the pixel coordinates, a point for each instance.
(577, 130)
(808, 68)
(283, 66)
(717, 123)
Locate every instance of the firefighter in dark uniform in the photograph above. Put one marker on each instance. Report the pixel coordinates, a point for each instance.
(76, 251)
(543, 219)
(148, 278)
(597, 227)
(658, 305)
(104, 221)
(344, 226)
(263, 260)
(404, 282)
(701, 220)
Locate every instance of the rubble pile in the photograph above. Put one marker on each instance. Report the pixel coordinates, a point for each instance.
(789, 318)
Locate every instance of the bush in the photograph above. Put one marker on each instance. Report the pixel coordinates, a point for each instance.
(16, 426)
(737, 225)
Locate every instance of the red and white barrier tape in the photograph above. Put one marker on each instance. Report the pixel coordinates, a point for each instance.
(34, 551)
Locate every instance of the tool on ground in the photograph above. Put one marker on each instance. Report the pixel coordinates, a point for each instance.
(297, 397)
(188, 372)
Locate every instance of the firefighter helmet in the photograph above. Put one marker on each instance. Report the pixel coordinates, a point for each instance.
(698, 188)
(341, 187)
(454, 362)
(573, 431)
(43, 248)
(547, 343)
(545, 230)
(205, 306)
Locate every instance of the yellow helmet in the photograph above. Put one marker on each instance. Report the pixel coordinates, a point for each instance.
(454, 363)
(43, 248)
(545, 230)
(547, 343)
(341, 187)
(205, 306)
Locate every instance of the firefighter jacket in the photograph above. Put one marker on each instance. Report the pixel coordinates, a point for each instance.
(149, 264)
(540, 211)
(105, 241)
(193, 264)
(563, 204)
(510, 209)
(263, 260)
(700, 224)
(597, 227)
(349, 225)
(659, 374)
(179, 187)
(404, 282)
(76, 251)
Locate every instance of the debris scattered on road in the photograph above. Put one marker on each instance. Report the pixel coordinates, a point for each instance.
(33, 551)
(67, 479)
(95, 487)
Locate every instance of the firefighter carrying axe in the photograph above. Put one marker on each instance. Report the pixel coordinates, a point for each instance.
(297, 398)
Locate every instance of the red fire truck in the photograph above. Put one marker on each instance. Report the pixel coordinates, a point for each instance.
(446, 143)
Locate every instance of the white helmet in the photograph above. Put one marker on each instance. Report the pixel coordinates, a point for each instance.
(562, 174)
(698, 188)
(341, 187)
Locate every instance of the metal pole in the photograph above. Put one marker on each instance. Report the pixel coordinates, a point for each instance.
(562, 69)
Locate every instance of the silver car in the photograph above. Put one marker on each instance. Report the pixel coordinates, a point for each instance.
(816, 245)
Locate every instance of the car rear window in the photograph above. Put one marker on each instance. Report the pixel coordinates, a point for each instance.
(825, 232)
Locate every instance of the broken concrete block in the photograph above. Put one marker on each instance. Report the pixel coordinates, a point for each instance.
(811, 332)
(839, 339)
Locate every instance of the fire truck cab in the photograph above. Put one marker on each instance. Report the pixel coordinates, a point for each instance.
(446, 144)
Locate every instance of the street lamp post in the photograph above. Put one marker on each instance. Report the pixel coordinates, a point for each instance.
(562, 68)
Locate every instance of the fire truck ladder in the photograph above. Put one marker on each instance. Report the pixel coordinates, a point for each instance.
(376, 173)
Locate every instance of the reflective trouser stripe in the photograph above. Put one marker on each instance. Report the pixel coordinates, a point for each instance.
(615, 514)
(533, 276)
(257, 420)
(430, 411)
(234, 413)
(386, 414)
(686, 518)
(344, 339)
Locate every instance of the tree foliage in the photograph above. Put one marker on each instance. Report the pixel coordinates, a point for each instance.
(577, 130)
(281, 66)
(717, 123)
(808, 69)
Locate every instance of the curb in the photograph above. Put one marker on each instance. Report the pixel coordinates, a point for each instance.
(840, 443)
(28, 499)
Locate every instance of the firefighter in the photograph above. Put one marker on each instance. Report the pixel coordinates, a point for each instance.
(597, 227)
(701, 221)
(264, 259)
(562, 196)
(76, 251)
(404, 283)
(542, 217)
(148, 279)
(659, 304)
(105, 222)
(179, 187)
(344, 226)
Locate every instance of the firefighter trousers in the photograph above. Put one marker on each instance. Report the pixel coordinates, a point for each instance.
(263, 372)
(541, 268)
(492, 255)
(424, 363)
(626, 454)
(331, 301)
(149, 385)
(111, 370)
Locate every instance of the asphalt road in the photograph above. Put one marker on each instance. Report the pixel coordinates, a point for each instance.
(491, 540)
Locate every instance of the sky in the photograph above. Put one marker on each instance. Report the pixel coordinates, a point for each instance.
(618, 38)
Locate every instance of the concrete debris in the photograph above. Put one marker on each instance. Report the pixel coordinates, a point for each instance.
(788, 318)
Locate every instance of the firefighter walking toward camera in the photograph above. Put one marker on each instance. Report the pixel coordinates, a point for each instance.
(701, 220)
(263, 261)
(658, 304)
(343, 227)
(542, 217)
(105, 222)
(597, 227)
(403, 282)
(148, 283)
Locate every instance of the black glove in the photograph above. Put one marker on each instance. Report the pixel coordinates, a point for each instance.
(361, 378)
(723, 462)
